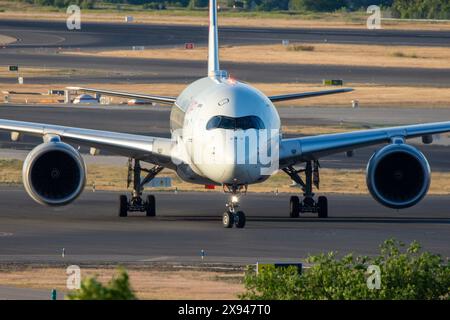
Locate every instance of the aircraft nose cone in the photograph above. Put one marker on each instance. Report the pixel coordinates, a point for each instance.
(235, 173)
(229, 161)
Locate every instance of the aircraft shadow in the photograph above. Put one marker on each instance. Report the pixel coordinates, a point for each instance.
(349, 220)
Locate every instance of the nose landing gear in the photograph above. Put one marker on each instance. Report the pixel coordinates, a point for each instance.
(136, 203)
(232, 216)
(307, 204)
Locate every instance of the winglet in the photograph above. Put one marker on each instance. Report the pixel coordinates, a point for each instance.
(213, 46)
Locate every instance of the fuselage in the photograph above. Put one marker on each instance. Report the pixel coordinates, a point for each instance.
(222, 127)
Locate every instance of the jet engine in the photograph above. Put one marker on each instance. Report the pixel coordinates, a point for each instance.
(398, 176)
(54, 173)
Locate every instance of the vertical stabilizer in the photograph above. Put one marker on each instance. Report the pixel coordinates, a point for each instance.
(213, 46)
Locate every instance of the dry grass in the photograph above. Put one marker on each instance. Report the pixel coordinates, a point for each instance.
(367, 95)
(10, 171)
(147, 283)
(4, 40)
(300, 47)
(318, 53)
(332, 180)
(314, 130)
(14, 10)
(29, 72)
(346, 182)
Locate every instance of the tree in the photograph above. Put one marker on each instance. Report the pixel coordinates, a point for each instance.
(198, 4)
(117, 289)
(87, 4)
(269, 5)
(421, 9)
(405, 274)
(316, 5)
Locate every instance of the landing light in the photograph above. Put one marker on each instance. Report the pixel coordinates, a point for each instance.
(235, 199)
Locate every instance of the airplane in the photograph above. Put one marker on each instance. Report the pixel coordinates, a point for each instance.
(208, 118)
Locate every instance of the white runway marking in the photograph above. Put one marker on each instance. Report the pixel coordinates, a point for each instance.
(6, 234)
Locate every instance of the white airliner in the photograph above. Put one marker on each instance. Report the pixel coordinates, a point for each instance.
(209, 117)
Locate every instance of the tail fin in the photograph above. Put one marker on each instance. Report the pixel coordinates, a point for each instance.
(213, 49)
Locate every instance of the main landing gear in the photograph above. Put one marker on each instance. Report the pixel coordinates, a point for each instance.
(307, 204)
(136, 203)
(233, 216)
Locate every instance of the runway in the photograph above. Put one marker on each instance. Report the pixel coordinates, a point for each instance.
(175, 71)
(90, 231)
(54, 34)
(154, 121)
(39, 42)
(15, 293)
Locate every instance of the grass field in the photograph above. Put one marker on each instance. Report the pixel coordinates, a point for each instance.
(30, 72)
(312, 53)
(4, 40)
(368, 95)
(148, 283)
(107, 177)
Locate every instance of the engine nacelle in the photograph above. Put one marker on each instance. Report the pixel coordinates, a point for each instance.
(54, 174)
(398, 176)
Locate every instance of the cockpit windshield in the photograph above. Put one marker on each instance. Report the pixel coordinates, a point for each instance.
(241, 123)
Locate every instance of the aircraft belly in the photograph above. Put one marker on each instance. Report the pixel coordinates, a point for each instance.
(187, 174)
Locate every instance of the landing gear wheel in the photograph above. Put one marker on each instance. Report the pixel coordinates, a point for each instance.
(150, 206)
(240, 220)
(123, 206)
(294, 207)
(322, 207)
(228, 220)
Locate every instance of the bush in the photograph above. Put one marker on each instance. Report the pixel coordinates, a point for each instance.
(117, 289)
(399, 54)
(405, 274)
(300, 47)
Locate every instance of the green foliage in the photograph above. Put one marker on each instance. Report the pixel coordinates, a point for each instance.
(198, 4)
(317, 5)
(117, 289)
(406, 273)
(84, 4)
(270, 5)
(421, 9)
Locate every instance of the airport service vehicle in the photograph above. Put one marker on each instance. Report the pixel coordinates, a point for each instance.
(208, 120)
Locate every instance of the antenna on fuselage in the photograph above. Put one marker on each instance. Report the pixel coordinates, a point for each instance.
(213, 44)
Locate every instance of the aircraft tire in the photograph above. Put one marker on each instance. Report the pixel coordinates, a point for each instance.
(123, 206)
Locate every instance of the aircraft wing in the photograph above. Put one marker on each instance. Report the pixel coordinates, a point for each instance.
(304, 95)
(296, 150)
(150, 149)
(158, 99)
